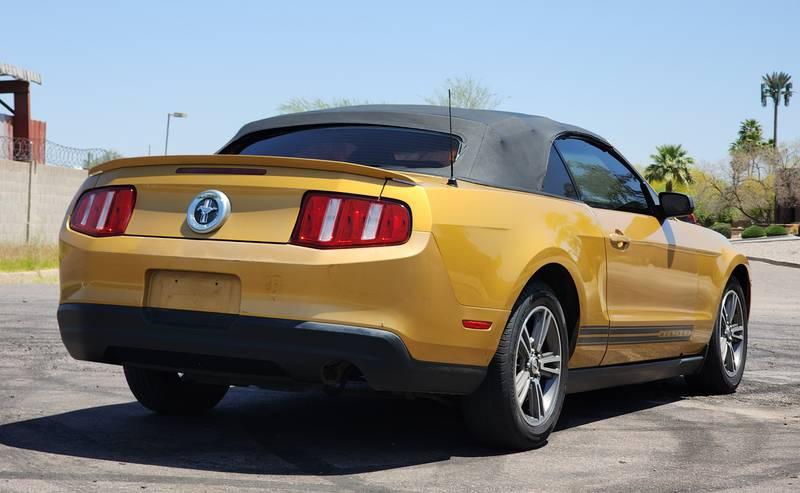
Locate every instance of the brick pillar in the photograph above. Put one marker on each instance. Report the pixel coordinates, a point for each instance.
(22, 116)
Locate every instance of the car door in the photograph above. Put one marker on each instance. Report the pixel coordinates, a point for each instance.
(590, 342)
(652, 283)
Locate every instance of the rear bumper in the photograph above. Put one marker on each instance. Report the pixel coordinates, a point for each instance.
(404, 289)
(244, 349)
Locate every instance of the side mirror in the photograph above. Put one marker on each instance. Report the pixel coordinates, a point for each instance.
(675, 204)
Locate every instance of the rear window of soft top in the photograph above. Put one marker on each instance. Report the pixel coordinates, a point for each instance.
(378, 146)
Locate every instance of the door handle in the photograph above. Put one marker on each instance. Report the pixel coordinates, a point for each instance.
(619, 240)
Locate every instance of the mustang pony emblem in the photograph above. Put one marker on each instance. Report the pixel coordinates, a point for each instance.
(208, 211)
(207, 207)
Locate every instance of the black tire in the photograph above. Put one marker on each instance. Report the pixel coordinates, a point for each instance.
(170, 393)
(493, 412)
(713, 377)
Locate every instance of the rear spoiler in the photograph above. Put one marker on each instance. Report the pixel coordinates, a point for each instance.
(252, 161)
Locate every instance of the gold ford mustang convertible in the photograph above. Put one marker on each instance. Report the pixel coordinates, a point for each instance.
(505, 258)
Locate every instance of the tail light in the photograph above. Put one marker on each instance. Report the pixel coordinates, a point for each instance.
(103, 211)
(341, 221)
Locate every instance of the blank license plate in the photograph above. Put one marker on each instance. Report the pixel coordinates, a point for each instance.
(198, 291)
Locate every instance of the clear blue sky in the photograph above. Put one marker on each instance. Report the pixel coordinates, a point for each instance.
(638, 73)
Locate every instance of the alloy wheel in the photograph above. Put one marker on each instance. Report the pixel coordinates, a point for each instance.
(731, 332)
(538, 365)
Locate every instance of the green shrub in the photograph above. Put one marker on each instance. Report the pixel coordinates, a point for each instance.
(722, 228)
(754, 232)
(704, 219)
(776, 230)
(725, 216)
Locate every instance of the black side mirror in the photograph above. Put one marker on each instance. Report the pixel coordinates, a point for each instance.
(675, 204)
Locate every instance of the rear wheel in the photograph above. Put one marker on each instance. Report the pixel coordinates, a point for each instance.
(172, 393)
(727, 351)
(520, 400)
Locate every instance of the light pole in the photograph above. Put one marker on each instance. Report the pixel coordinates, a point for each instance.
(176, 114)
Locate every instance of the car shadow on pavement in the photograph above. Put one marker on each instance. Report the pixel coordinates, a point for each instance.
(264, 432)
(590, 407)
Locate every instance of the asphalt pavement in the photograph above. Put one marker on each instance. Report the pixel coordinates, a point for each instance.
(69, 425)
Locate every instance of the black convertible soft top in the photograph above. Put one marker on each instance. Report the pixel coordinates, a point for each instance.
(502, 149)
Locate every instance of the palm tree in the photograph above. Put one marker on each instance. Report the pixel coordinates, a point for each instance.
(775, 85)
(750, 136)
(670, 164)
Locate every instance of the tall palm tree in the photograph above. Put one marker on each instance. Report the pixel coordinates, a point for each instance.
(776, 85)
(670, 164)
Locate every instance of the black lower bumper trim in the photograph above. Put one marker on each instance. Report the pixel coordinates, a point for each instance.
(245, 349)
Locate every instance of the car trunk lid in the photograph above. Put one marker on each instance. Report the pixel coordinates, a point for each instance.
(265, 193)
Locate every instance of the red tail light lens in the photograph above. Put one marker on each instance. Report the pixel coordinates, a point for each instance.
(103, 211)
(343, 221)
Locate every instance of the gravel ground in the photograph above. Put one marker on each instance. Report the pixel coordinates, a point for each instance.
(68, 425)
(783, 250)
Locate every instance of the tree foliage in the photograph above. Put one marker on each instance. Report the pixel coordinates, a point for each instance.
(722, 228)
(466, 92)
(93, 160)
(746, 183)
(777, 85)
(750, 136)
(709, 206)
(671, 164)
(786, 168)
(297, 105)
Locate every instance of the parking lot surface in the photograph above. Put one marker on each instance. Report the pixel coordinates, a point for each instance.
(69, 425)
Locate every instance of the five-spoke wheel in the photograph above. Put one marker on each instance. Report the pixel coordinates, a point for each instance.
(538, 364)
(727, 351)
(519, 401)
(731, 332)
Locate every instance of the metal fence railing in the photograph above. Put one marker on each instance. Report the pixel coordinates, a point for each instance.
(45, 151)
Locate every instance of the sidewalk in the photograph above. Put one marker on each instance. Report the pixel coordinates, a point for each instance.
(782, 250)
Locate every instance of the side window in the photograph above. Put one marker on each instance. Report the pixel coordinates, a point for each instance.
(557, 180)
(603, 180)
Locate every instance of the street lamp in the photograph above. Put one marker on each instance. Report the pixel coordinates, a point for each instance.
(176, 114)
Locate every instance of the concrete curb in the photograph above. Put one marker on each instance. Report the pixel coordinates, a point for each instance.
(775, 262)
(767, 239)
(32, 276)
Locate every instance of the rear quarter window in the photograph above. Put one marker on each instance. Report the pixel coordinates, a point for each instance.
(557, 180)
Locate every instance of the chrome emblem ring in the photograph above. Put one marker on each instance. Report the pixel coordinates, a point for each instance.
(208, 211)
